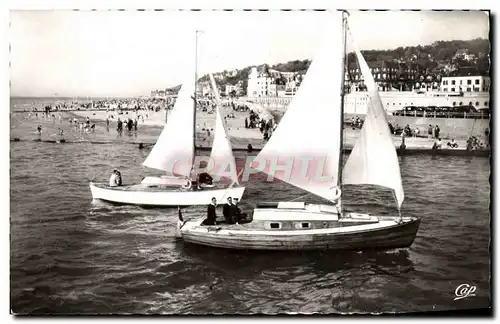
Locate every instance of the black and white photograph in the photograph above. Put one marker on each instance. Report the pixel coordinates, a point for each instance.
(250, 162)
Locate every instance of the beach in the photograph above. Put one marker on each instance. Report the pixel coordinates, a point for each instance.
(205, 123)
(149, 130)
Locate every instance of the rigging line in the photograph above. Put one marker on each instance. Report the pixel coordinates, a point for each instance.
(307, 194)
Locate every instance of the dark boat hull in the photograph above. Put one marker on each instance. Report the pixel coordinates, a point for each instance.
(395, 236)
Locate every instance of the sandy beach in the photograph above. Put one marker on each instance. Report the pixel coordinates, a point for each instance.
(239, 135)
(204, 121)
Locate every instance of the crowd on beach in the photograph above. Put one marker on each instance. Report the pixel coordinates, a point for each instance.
(266, 127)
(143, 103)
(432, 131)
(258, 117)
(128, 114)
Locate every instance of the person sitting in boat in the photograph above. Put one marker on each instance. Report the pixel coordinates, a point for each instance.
(118, 177)
(113, 180)
(204, 180)
(237, 216)
(226, 210)
(211, 213)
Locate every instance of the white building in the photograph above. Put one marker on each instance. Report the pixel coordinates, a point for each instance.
(261, 84)
(203, 88)
(465, 84)
(230, 88)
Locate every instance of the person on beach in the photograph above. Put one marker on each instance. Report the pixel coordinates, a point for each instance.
(211, 213)
(39, 129)
(452, 144)
(130, 124)
(436, 131)
(437, 144)
(430, 132)
(119, 127)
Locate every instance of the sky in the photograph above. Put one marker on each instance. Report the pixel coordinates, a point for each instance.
(129, 53)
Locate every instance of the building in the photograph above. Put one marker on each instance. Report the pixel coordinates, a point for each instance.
(458, 84)
(388, 76)
(463, 54)
(261, 84)
(203, 88)
(230, 88)
(269, 83)
(163, 93)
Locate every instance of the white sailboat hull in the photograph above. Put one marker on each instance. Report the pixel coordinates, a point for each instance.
(161, 197)
(325, 231)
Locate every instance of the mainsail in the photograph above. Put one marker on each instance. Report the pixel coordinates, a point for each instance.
(373, 159)
(222, 153)
(306, 144)
(174, 149)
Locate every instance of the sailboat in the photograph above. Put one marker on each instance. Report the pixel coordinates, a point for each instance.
(295, 225)
(184, 182)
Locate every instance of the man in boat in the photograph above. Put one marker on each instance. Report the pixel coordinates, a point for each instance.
(204, 179)
(113, 180)
(118, 178)
(211, 213)
(237, 216)
(226, 210)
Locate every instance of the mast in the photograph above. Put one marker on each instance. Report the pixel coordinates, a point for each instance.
(195, 90)
(345, 14)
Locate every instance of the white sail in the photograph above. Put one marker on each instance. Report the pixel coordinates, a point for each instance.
(306, 142)
(174, 149)
(222, 153)
(373, 159)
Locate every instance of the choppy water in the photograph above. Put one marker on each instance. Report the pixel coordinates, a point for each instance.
(70, 255)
